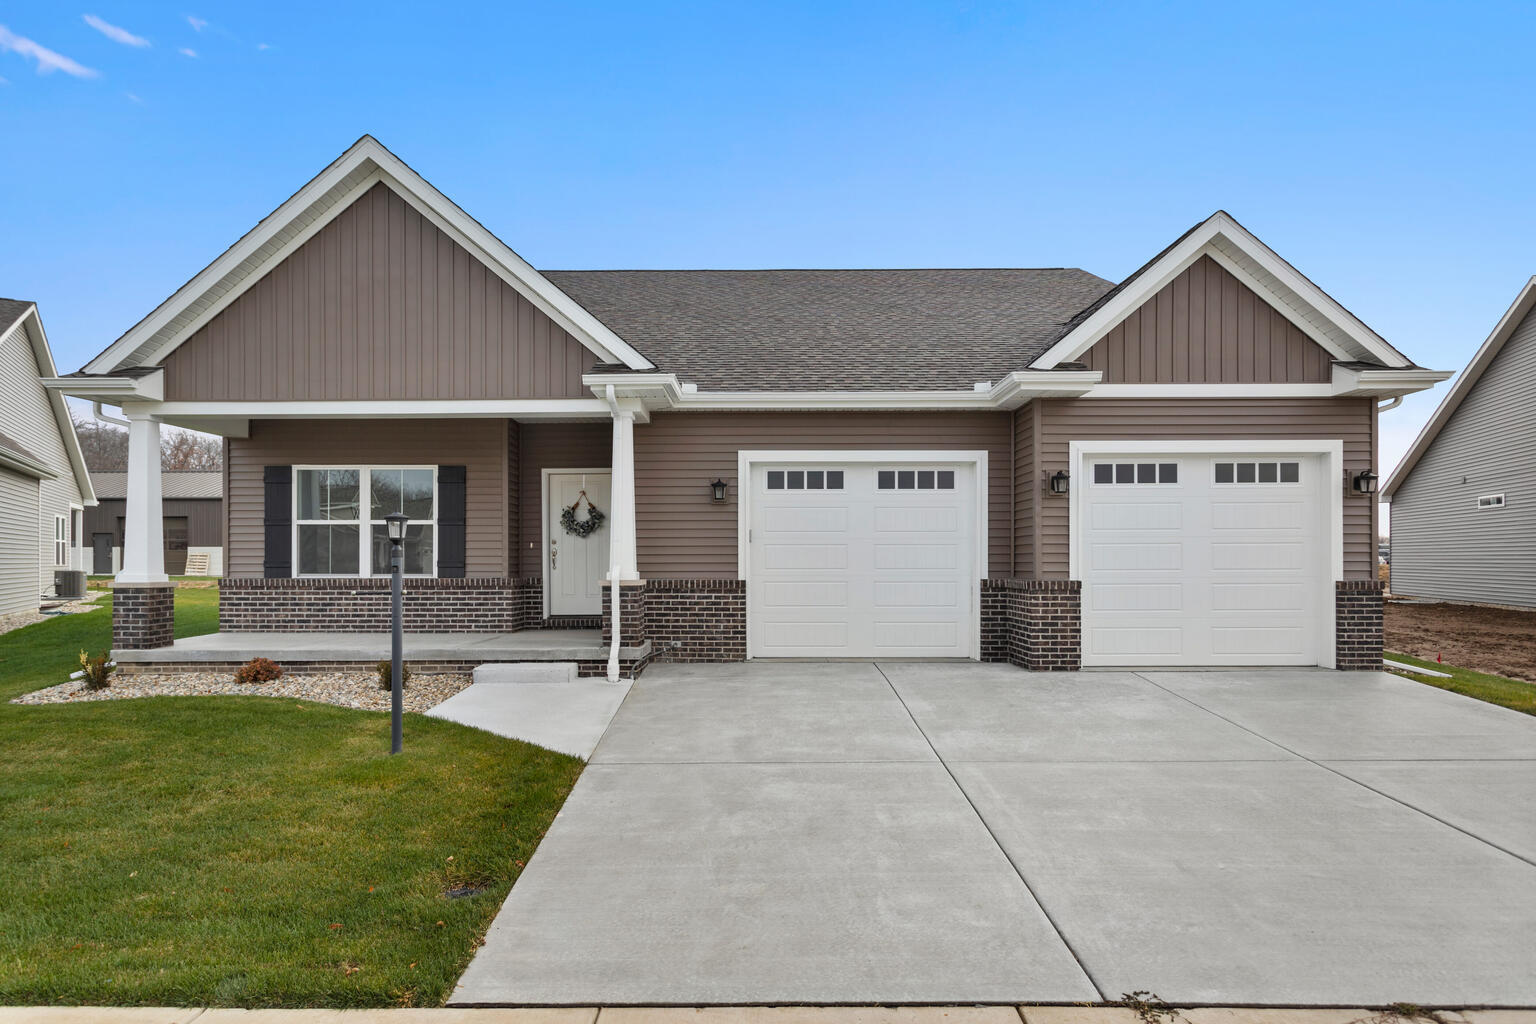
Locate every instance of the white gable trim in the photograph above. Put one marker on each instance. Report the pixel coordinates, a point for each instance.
(1513, 317)
(46, 369)
(319, 202)
(1253, 263)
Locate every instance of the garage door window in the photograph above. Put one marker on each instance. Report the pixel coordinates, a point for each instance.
(916, 480)
(805, 479)
(1139, 473)
(1258, 472)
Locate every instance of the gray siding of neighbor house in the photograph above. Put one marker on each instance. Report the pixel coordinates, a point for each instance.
(379, 304)
(204, 516)
(26, 414)
(1205, 327)
(1443, 545)
(18, 553)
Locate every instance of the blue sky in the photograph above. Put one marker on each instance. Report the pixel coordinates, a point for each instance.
(1385, 149)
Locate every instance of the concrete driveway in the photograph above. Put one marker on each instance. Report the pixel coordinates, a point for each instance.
(934, 833)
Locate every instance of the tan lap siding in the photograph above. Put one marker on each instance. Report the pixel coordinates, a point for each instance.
(1026, 489)
(681, 533)
(477, 444)
(553, 446)
(1351, 420)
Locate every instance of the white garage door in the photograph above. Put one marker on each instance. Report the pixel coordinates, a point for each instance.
(1203, 559)
(862, 560)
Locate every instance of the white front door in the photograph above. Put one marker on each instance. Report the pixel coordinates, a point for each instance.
(862, 560)
(575, 566)
(1203, 559)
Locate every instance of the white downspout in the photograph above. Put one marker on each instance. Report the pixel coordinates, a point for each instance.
(615, 594)
(104, 418)
(1393, 404)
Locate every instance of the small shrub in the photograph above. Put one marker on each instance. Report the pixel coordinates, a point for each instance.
(96, 673)
(386, 683)
(258, 670)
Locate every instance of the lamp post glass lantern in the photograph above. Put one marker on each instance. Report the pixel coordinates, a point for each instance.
(394, 526)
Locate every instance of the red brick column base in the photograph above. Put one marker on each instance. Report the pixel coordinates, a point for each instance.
(1358, 608)
(143, 615)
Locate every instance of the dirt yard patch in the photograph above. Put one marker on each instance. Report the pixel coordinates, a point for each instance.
(1492, 640)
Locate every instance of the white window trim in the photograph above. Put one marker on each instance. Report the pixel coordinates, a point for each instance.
(365, 531)
(545, 527)
(977, 460)
(1332, 452)
(60, 540)
(1497, 499)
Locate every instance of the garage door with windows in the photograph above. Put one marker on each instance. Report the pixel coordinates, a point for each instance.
(1190, 559)
(862, 559)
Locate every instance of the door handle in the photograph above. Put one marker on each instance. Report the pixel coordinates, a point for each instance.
(554, 554)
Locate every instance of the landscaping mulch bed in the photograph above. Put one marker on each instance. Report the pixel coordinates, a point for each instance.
(344, 689)
(1499, 641)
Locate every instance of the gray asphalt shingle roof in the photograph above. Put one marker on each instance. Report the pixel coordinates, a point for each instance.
(843, 330)
(10, 312)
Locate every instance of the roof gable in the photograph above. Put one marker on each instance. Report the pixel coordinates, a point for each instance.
(304, 214)
(378, 304)
(1207, 327)
(1225, 241)
(21, 324)
(1518, 320)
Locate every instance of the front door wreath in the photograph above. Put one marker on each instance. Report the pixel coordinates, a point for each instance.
(582, 527)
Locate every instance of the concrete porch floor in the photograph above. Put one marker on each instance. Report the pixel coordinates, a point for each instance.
(525, 645)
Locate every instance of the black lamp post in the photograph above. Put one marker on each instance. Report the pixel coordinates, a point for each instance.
(394, 524)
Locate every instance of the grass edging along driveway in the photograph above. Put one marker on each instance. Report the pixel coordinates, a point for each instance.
(1509, 693)
(249, 851)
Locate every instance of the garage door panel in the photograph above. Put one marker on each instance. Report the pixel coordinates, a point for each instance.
(1232, 577)
(863, 571)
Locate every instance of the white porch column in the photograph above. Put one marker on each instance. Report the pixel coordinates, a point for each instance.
(621, 553)
(143, 532)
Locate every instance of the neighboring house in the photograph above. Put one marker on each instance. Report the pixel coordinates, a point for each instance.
(1464, 497)
(1036, 466)
(192, 515)
(43, 483)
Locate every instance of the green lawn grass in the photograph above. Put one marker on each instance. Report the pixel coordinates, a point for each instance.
(246, 850)
(1509, 693)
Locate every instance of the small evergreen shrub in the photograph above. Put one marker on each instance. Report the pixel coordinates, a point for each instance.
(96, 673)
(386, 683)
(258, 670)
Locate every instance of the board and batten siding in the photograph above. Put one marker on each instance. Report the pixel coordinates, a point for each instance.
(19, 500)
(1443, 545)
(480, 445)
(379, 304)
(1206, 326)
(1062, 421)
(27, 417)
(682, 533)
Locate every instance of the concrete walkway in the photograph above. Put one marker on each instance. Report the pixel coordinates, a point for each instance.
(566, 716)
(741, 1015)
(936, 833)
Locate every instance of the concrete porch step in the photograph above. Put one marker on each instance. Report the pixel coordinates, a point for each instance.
(527, 672)
(529, 645)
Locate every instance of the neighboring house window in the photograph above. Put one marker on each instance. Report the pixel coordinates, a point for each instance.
(339, 519)
(805, 479)
(1258, 472)
(1135, 473)
(1490, 501)
(61, 541)
(915, 479)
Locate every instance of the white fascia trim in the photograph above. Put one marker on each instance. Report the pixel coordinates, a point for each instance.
(111, 390)
(446, 408)
(367, 153)
(1203, 241)
(1384, 383)
(1518, 310)
(665, 391)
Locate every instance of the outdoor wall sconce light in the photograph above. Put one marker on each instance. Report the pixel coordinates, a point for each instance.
(1061, 482)
(717, 489)
(1365, 482)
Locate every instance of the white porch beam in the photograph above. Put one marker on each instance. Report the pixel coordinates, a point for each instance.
(143, 531)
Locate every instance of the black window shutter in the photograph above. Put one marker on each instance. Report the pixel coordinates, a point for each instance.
(450, 522)
(277, 518)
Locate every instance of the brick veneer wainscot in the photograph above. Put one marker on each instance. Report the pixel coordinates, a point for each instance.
(470, 605)
(143, 615)
(1035, 624)
(632, 618)
(697, 619)
(1358, 606)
